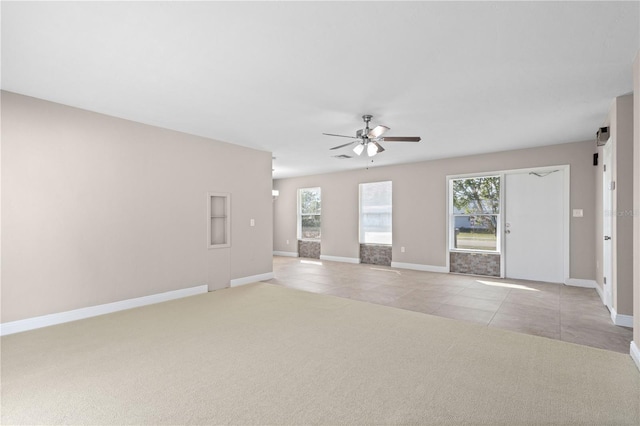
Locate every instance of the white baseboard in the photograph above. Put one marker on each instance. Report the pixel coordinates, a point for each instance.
(635, 353)
(621, 320)
(579, 282)
(252, 279)
(419, 267)
(286, 253)
(93, 311)
(340, 259)
(601, 294)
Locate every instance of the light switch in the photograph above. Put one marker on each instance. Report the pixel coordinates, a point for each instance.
(253, 222)
(401, 249)
(578, 213)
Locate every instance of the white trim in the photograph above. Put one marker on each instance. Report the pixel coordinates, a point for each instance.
(601, 294)
(566, 170)
(620, 319)
(299, 210)
(579, 282)
(93, 311)
(340, 259)
(635, 353)
(458, 250)
(286, 253)
(419, 267)
(608, 223)
(566, 220)
(566, 174)
(502, 228)
(252, 279)
(508, 171)
(361, 232)
(226, 217)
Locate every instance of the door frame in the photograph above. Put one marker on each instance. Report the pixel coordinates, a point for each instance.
(607, 215)
(565, 169)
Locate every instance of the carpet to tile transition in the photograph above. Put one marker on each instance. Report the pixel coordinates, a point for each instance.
(263, 354)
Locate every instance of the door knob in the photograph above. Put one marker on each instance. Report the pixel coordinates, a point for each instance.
(606, 237)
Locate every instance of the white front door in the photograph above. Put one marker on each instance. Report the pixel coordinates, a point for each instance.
(534, 225)
(607, 225)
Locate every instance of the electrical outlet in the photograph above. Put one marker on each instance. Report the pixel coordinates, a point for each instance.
(252, 222)
(287, 242)
(401, 249)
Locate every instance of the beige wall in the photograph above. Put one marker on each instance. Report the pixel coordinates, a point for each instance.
(636, 204)
(419, 204)
(97, 209)
(620, 122)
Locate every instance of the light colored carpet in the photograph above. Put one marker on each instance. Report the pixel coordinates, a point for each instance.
(263, 354)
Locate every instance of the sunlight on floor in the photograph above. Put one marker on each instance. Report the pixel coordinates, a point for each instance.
(385, 270)
(311, 262)
(507, 285)
(550, 310)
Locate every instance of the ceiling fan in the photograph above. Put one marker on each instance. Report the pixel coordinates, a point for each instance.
(370, 138)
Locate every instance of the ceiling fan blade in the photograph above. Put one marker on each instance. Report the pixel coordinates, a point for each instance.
(343, 145)
(341, 136)
(377, 131)
(401, 139)
(380, 148)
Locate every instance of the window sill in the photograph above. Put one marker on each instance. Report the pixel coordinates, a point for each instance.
(457, 250)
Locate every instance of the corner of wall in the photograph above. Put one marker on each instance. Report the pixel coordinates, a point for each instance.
(635, 352)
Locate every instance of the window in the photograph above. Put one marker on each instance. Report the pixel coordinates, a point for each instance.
(375, 213)
(475, 208)
(309, 210)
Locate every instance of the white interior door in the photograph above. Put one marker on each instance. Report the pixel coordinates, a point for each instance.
(534, 225)
(607, 225)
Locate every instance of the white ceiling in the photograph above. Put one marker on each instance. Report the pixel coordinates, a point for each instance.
(468, 77)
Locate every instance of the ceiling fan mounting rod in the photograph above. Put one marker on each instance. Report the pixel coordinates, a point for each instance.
(367, 118)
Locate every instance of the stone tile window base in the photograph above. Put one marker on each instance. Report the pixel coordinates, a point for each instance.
(309, 249)
(375, 254)
(475, 263)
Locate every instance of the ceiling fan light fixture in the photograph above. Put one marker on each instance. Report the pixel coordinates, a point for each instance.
(372, 149)
(370, 138)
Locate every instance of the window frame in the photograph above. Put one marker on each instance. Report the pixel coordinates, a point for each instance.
(360, 227)
(300, 214)
(452, 215)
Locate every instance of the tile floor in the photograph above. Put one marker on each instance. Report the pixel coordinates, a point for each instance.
(556, 311)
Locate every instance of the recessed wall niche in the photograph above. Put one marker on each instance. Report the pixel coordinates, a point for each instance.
(219, 220)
